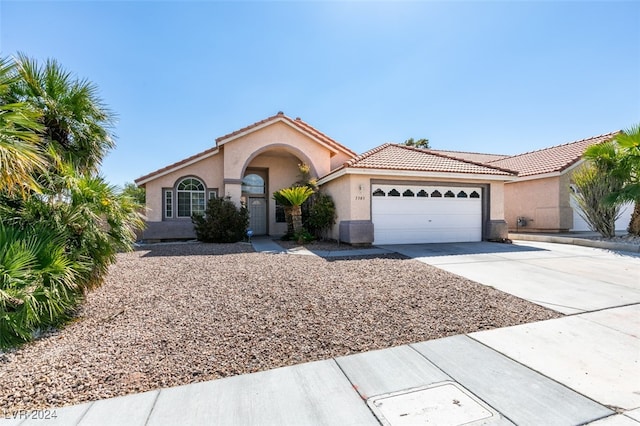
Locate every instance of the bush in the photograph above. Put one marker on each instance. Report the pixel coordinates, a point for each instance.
(303, 236)
(319, 214)
(38, 284)
(222, 222)
(593, 186)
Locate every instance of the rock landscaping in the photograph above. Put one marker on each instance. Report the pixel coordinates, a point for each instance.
(173, 314)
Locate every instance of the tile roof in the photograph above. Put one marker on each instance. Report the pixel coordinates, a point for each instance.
(476, 157)
(400, 157)
(298, 123)
(548, 160)
(176, 164)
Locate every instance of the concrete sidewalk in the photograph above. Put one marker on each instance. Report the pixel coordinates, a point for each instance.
(579, 369)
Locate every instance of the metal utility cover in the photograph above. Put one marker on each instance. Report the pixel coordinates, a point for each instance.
(444, 403)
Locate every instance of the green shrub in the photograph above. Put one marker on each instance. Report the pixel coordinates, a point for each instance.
(319, 214)
(303, 236)
(592, 187)
(38, 282)
(222, 222)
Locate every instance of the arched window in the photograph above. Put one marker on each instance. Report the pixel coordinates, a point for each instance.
(191, 198)
(253, 184)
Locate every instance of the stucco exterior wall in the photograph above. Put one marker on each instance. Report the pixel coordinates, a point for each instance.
(241, 151)
(209, 170)
(544, 203)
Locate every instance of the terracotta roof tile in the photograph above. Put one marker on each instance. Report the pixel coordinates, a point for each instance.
(176, 164)
(548, 160)
(476, 157)
(401, 157)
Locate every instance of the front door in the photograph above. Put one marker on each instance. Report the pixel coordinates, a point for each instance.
(258, 215)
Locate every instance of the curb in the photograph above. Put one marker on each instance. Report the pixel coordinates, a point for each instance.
(577, 241)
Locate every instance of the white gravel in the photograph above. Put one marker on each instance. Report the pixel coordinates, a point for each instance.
(183, 313)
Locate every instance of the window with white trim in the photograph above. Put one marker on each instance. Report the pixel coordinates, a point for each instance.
(168, 203)
(191, 197)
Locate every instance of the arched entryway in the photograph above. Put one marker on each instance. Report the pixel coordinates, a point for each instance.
(267, 172)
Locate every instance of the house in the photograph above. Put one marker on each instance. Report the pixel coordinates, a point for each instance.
(542, 198)
(391, 194)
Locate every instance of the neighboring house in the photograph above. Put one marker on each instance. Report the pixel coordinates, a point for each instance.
(391, 194)
(542, 198)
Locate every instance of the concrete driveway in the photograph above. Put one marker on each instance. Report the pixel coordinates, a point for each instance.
(596, 350)
(568, 279)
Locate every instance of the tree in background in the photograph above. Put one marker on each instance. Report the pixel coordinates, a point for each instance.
(621, 159)
(137, 194)
(420, 143)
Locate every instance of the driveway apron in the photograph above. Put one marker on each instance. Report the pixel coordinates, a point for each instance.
(568, 279)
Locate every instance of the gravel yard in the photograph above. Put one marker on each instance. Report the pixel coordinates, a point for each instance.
(173, 314)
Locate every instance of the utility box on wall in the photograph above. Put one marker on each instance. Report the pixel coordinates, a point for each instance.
(356, 232)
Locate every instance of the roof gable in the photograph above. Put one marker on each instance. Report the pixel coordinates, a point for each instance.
(296, 124)
(548, 160)
(400, 157)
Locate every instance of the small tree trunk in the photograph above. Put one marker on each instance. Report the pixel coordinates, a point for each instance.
(296, 218)
(634, 224)
(288, 213)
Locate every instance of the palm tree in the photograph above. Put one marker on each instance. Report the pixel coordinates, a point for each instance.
(76, 122)
(622, 160)
(38, 284)
(292, 199)
(20, 154)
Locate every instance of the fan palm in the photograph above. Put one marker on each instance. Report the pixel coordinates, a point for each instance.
(622, 160)
(20, 155)
(38, 281)
(76, 122)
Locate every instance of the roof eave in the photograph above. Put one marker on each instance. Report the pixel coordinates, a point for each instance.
(413, 173)
(177, 166)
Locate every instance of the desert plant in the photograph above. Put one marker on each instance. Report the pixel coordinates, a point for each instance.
(76, 123)
(592, 187)
(38, 281)
(20, 154)
(292, 199)
(621, 159)
(319, 214)
(223, 222)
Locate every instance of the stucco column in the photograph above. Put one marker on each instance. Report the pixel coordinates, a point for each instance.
(496, 228)
(233, 190)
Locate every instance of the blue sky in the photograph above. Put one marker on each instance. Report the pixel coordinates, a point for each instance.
(500, 77)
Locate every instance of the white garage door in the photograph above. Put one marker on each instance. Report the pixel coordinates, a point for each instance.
(407, 214)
